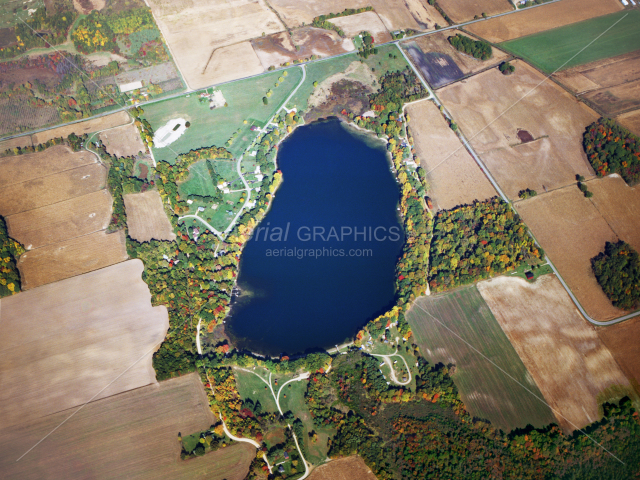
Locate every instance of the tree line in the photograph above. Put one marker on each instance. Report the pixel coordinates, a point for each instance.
(617, 270)
(476, 48)
(611, 148)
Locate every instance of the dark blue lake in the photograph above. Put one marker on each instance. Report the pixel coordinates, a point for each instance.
(321, 263)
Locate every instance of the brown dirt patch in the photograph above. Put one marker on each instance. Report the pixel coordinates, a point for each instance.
(559, 348)
(55, 223)
(458, 180)
(23, 168)
(349, 468)
(55, 188)
(620, 339)
(87, 330)
(146, 218)
(572, 231)
(132, 435)
(461, 11)
(490, 108)
(369, 21)
(630, 120)
(123, 141)
(276, 49)
(86, 6)
(404, 14)
(69, 258)
(197, 30)
(538, 19)
(89, 126)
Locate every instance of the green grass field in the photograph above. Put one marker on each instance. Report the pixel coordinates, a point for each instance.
(215, 127)
(486, 391)
(250, 386)
(550, 50)
(9, 19)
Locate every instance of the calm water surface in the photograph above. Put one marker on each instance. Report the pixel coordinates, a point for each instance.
(303, 292)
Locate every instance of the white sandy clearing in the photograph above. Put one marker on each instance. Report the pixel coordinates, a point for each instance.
(166, 134)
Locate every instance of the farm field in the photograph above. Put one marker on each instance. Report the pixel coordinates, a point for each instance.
(442, 64)
(563, 353)
(617, 339)
(60, 221)
(464, 11)
(458, 180)
(195, 32)
(215, 127)
(485, 390)
(565, 47)
(611, 84)
(133, 435)
(232, 62)
(493, 109)
(87, 330)
(277, 49)
(352, 25)
(543, 18)
(123, 141)
(146, 218)
(572, 231)
(71, 257)
(348, 468)
(631, 121)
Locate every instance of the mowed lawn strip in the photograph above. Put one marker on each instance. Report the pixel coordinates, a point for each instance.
(556, 48)
(486, 391)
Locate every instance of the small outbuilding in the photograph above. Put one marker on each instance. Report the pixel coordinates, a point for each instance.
(529, 275)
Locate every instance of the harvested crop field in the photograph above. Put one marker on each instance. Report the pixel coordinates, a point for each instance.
(348, 468)
(572, 231)
(72, 257)
(456, 181)
(569, 363)
(276, 49)
(132, 435)
(146, 218)
(294, 13)
(630, 120)
(463, 10)
(439, 323)
(369, 21)
(620, 340)
(80, 128)
(58, 222)
(542, 18)
(492, 108)
(50, 189)
(403, 14)
(195, 32)
(442, 64)
(123, 141)
(86, 331)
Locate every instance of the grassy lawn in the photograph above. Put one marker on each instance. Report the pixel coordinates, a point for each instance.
(485, 389)
(215, 127)
(250, 386)
(543, 269)
(551, 49)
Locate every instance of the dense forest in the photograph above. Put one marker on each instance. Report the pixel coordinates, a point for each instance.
(477, 241)
(476, 48)
(617, 270)
(10, 250)
(611, 148)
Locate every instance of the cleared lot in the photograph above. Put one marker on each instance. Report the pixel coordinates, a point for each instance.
(493, 109)
(146, 218)
(195, 32)
(123, 141)
(133, 435)
(572, 231)
(538, 19)
(458, 180)
(71, 257)
(61, 344)
(573, 369)
(464, 10)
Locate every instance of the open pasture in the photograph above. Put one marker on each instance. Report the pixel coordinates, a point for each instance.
(215, 127)
(195, 31)
(456, 181)
(573, 369)
(347, 468)
(123, 141)
(146, 218)
(486, 391)
(565, 47)
(462, 11)
(86, 331)
(58, 222)
(547, 17)
(352, 25)
(572, 231)
(132, 435)
(491, 109)
(250, 386)
(72, 257)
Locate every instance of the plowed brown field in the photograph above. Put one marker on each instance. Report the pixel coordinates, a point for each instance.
(123, 141)
(369, 21)
(349, 468)
(620, 340)
(464, 10)
(146, 217)
(631, 121)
